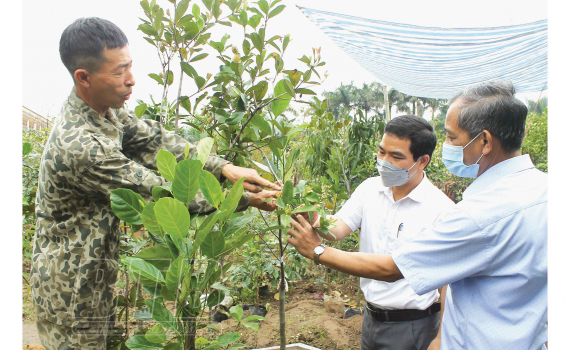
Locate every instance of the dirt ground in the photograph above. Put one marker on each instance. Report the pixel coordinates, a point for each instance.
(307, 320)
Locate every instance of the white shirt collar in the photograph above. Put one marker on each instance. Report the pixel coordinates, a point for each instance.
(417, 194)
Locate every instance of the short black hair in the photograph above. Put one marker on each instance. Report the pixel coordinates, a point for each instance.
(83, 41)
(420, 133)
(492, 106)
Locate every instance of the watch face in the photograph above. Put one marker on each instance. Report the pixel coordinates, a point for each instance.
(319, 250)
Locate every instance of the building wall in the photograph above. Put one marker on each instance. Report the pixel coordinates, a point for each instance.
(33, 121)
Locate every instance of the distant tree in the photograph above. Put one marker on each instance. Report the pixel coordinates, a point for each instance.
(542, 105)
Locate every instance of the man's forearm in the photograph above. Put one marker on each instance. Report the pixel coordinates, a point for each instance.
(374, 266)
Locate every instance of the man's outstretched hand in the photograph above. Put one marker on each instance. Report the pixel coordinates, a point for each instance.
(303, 237)
(257, 200)
(252, 183)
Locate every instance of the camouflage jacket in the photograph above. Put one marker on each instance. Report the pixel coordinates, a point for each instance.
(76, 243)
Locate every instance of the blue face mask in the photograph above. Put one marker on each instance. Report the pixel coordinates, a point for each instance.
(452, 157)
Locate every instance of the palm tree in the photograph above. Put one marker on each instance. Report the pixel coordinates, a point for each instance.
(342, 99)
(370, 98)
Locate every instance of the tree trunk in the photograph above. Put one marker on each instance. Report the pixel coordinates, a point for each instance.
(387, 104)
(190, 336)
(282, 335)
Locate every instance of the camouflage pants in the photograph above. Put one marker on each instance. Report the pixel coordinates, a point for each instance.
(57, 337)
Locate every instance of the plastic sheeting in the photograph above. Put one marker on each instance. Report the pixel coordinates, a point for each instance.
(437, 62)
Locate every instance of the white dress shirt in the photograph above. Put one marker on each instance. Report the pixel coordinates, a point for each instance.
(385, 225)
(491, 250)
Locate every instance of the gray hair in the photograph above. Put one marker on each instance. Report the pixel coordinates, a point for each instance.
(492, 106)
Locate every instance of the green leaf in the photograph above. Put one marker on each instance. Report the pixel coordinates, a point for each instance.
(140, 109)
(199, 82)
(227, 339)
(169, 77)
(205, 229)
(260, 90)
(157, 255)
(148, 29)
(211, 188)
(289, 87)
(160, 191)
(216, 9)
(166, 164)
(261, 123)
(304, 91)
(173, 217)
(27, 148)
(199, 57)
(263, 6)
(196, 11)
(287, 195)
(149, 220)
(188, 69)
(252, 325)
(185, 103)
(236, 312)
(204, 148)
(276, 11)
(202, 341)
(185, 185)
(176, 273)
(304, 209)
(139, 342)
(235, 224)
(279, 106)
(173, 346)
(161, 315)
(254, 21)
(215, 298)
(257, 41)
(286, 40)
(156, 335)
(181, 10)
(157, 78)
(286, 221)
(127, 206)
(254, 317)
(142, 268)
(213, 244)
(231, 201)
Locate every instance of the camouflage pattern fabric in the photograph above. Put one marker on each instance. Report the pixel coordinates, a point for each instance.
(57, 337)
(76, 243)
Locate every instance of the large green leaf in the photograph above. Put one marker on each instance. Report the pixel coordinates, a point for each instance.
(160, 191)
(126, 204)
(231, 201)
(161, 315)
(213, 244)
(27, 148)
(144, 269)
(279, 106)
(176, 272)
(236, 312)
(157, 255)
(149, 220)
(288, 190)
(185, 185)
(166, 164)
(173, 217)
(215, 298)
(211, 188)
(156, 335)
(205, 229)
(235, 242)
(204, 148)
(139, 342)
(237, 223)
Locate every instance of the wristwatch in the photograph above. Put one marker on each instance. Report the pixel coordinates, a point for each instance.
(318, 251)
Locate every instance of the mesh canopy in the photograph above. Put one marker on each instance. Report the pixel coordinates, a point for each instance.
(437, 62)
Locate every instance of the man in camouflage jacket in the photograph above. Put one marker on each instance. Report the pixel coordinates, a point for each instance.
(96, 146)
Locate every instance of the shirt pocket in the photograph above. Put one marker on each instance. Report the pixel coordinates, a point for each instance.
(407, 232)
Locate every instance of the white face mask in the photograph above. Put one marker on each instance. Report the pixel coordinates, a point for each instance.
(392, 175)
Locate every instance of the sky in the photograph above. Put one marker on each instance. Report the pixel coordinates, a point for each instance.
(47, 83)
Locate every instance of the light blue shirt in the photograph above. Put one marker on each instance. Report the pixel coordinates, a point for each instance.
(491, 250)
